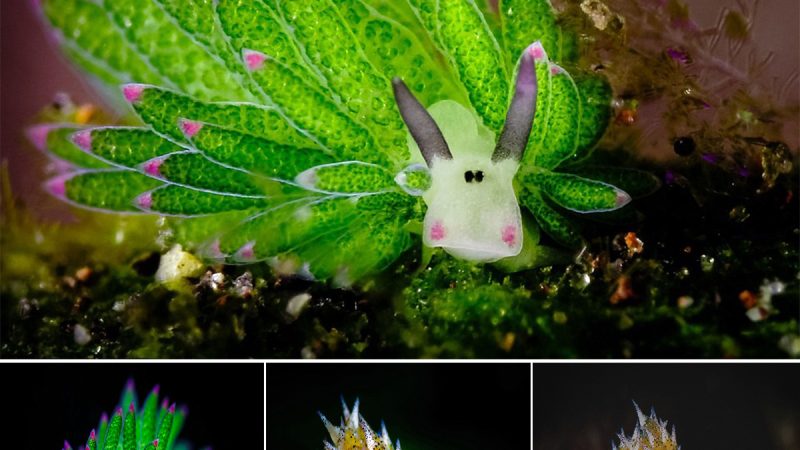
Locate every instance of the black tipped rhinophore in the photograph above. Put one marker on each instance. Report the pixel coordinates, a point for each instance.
(519, 118)
(421, 125)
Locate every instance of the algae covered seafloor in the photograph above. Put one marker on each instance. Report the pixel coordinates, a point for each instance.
(710, 270)
(706, 266)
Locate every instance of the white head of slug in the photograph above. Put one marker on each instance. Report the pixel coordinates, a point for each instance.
(473, 212)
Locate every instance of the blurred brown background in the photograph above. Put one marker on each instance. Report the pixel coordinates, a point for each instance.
(32, 72)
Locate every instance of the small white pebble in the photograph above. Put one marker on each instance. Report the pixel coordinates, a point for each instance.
(297, 304)
(81, 335)
(790, 343)
(217, 280)
(770, 288)
(757, 314)
(176, 264)
(307, 353)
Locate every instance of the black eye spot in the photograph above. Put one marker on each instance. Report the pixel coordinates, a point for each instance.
(468, 176)
(684, 146)
(479, 176)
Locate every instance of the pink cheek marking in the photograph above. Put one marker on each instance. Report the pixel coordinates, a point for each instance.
(253, 59)
(133, 92)
(152, 167)
(189, 127)
(555, 70)
(145, 201)
(83, 139)
(437, 231)
(509, 235)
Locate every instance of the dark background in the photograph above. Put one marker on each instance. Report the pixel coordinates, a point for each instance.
(427, 406)
(53, 402)
(713, 406)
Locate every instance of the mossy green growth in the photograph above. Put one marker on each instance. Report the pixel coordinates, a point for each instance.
(134, 425)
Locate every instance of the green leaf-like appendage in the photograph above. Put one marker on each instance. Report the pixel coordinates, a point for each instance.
(112, 433)
(347, 178)
(564, 231)
(578, 194)
(525, 21)
(253, 154)
(148, 417)
(162, 109)
(150, 31)
(464, 37)
(129, 430)
(270, 130)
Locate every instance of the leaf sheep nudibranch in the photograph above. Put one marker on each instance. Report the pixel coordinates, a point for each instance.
(273, 130)
(650, 434)
(138, 426)
(353, 433)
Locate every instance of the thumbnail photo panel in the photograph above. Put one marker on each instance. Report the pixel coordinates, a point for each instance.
(423, 406)
(179, 406)
(714, 406)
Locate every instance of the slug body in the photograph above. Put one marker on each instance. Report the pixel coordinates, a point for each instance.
(650, 434)
(150, 425)
(353, 433)
(285, 131)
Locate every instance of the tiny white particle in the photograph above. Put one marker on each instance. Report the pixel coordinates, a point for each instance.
(297, 304)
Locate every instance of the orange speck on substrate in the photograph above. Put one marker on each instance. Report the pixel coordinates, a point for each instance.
(83, 273)
(634, 244)
(624, 290)
(626, 117)
(748, 299)
(222, 301)
(507, 342)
